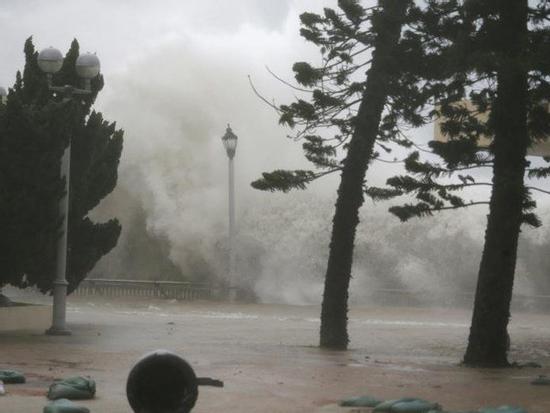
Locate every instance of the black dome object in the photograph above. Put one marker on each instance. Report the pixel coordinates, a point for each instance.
(162, 382)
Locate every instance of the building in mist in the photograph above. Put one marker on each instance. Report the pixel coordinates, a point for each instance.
(541, 148)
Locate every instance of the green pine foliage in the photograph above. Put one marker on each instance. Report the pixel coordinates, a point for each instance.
(461, 47)
(479, 66)
(284, 181)
(324, 114)
(35, 127)
(487, 75)
(31, 144)
(352, 109)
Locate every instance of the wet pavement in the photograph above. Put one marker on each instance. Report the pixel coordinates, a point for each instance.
(267, 356)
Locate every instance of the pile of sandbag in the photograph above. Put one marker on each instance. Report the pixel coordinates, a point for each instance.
(64, 406)
(541, 381)
(12, 377)
(415, 405)
(72, 388)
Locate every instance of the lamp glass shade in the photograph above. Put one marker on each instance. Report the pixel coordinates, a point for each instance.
(87, 66)
(50, 60)
(230, 142)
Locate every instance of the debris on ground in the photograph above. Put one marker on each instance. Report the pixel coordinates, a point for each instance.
(64, 406)
(414, 405)
(74, 388)
(448, 411)
(12, 377)
(2, 388)
(407, 405)
(360, 401)
(541, 381)
(529, 364)
(208, 381)
(503, 409)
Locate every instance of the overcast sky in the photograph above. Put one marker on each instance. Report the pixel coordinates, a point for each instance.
(125, 30)
(151, 50)
(175, 59)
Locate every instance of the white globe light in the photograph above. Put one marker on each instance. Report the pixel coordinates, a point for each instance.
(50, 60)
(87, 66)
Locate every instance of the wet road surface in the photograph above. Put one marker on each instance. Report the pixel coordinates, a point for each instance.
(268, 359)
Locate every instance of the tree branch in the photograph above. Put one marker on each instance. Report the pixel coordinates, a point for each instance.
(287, 83)
(272, 105)
(533, 188)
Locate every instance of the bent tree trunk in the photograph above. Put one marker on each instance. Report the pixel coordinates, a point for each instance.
(488, 341)
(334, 332)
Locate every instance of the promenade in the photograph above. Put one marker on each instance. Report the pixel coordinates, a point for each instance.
(267, 356)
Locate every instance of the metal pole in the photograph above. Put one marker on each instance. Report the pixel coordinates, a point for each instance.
(232, 290)
(59, 327)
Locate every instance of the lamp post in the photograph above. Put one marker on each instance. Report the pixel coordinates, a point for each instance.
(3, 99)
(3, 95)
(230, 143)
(50, 61)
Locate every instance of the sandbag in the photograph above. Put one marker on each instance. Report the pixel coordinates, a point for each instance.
(541, 381)
(503, 409)
(360, 401)
(11, 377)
(415, 406)
(73, 388)
(385, 406)
(64, 406)
(445, 411)
(407, 405)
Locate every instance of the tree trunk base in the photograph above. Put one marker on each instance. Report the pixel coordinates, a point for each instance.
(486, 364)
(330, 345)
(485, 359)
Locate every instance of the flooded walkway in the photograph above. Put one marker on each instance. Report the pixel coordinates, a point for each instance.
(268, 359)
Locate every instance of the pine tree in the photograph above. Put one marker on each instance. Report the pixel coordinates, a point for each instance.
(351, 116)
(35, 129)
(31, 143)
(495, 54)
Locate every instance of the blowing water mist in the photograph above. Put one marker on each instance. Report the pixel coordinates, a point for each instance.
(174, 104)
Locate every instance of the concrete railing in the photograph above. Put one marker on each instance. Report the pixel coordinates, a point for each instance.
(175, 290)
(179, 290)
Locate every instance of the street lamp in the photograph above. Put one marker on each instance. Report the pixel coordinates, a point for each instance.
(230, 143)
(50, 61)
